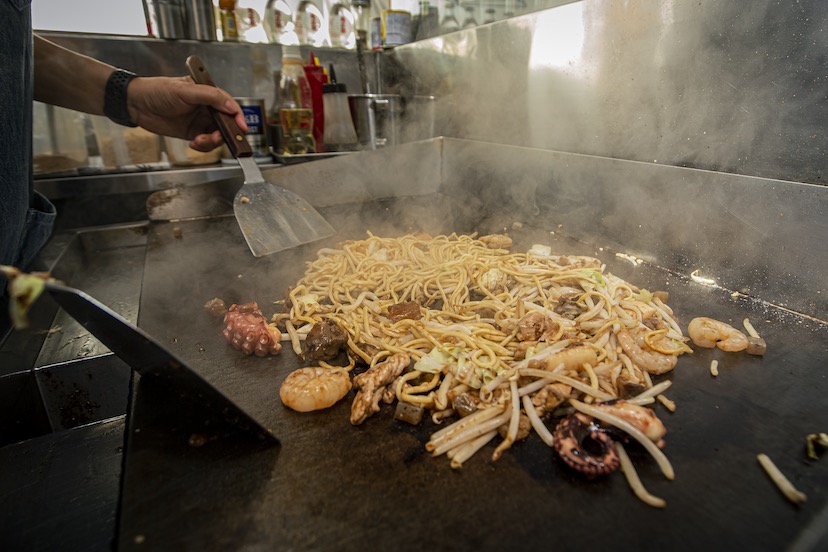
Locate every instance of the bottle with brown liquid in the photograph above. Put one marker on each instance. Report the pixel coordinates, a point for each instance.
(229, 21)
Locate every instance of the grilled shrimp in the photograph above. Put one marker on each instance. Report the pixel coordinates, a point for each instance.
(314, 388)
(651, 361)
(709, 333)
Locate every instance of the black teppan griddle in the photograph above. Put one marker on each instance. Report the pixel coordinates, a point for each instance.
(333, 486)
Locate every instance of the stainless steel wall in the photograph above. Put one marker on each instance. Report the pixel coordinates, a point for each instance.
(243, 69)
(729, 86)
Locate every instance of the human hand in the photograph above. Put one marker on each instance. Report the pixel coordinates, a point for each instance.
(177, 107)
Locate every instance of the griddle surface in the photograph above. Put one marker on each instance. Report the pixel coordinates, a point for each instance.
(330, 485)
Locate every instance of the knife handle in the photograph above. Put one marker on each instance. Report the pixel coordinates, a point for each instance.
(230, 131)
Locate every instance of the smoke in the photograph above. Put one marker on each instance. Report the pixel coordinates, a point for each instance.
(707, 84)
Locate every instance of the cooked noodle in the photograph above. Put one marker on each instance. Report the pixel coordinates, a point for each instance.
(474, 300)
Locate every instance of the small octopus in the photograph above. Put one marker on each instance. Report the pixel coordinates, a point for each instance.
(585, 447)
(246, 328)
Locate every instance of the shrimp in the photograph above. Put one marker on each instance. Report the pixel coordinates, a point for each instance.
(314, 388)
(573, 358)
(709, 333)
(651, 361)
(641, 418)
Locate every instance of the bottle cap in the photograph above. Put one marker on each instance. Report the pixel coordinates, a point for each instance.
(291, 51)
(333, 86)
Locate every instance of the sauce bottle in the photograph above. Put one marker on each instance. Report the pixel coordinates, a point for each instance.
(295, 106)
(229, 21)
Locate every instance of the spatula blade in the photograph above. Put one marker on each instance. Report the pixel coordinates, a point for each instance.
(153, 361)
(273, 218)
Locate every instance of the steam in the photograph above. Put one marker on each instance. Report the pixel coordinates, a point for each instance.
(711, 85)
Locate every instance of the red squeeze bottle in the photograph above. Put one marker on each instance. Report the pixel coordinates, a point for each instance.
(317, 77)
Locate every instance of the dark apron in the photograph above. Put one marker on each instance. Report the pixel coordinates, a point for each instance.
(26, 217)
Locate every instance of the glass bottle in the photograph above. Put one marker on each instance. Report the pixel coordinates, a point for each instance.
(449, 22)
(278, 20)
(295, 106)
(427, 22)
(469, 21)
(308, 23)
(362, 20)
(229, 21)
(341, 26)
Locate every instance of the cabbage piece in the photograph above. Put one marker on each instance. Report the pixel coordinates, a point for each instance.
(434, 361)
(24, 289)
(458, 361)
(538, 249)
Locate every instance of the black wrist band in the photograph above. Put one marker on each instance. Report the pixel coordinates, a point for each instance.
(115, 97)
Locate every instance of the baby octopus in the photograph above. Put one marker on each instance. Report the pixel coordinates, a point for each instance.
(585, 447)
(246, 328)
(589, 449)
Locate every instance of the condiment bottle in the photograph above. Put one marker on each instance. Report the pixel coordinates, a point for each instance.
(316, 79)
(340, 134)
(229, 21)
(295, 106)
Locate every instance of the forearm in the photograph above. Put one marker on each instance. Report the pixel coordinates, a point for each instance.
(68, 79)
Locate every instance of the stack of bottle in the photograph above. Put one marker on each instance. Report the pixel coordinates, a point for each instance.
(310, 113)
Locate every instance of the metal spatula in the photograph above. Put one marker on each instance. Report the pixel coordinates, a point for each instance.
(151, 360)
(271, 217)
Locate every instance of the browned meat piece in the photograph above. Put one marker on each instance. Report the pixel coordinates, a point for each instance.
(324, 341)
(371, 385)
(366, 348)
(629, 389)
(655, 323)
(550, 397)
(401, 311)
(536, 326)
(524, 428)
(568, 305)
(497, 241)
(465, 404)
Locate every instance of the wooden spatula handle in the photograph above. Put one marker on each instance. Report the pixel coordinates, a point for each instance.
(230, 131)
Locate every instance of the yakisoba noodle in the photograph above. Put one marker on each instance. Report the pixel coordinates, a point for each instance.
(517, 336)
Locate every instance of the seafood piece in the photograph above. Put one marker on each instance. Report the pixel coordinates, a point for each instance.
(598, 457)
(709, 333)
(371, 385)
(497, 241)
(493, 280)
(246, 329)
(651, 361)
(314, 388)
(640, 417)
(324, 341)
(573, 358)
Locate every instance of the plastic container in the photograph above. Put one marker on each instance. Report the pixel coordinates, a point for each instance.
(121, 146)
(340, 134)
(181, 154)
(58, 139)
